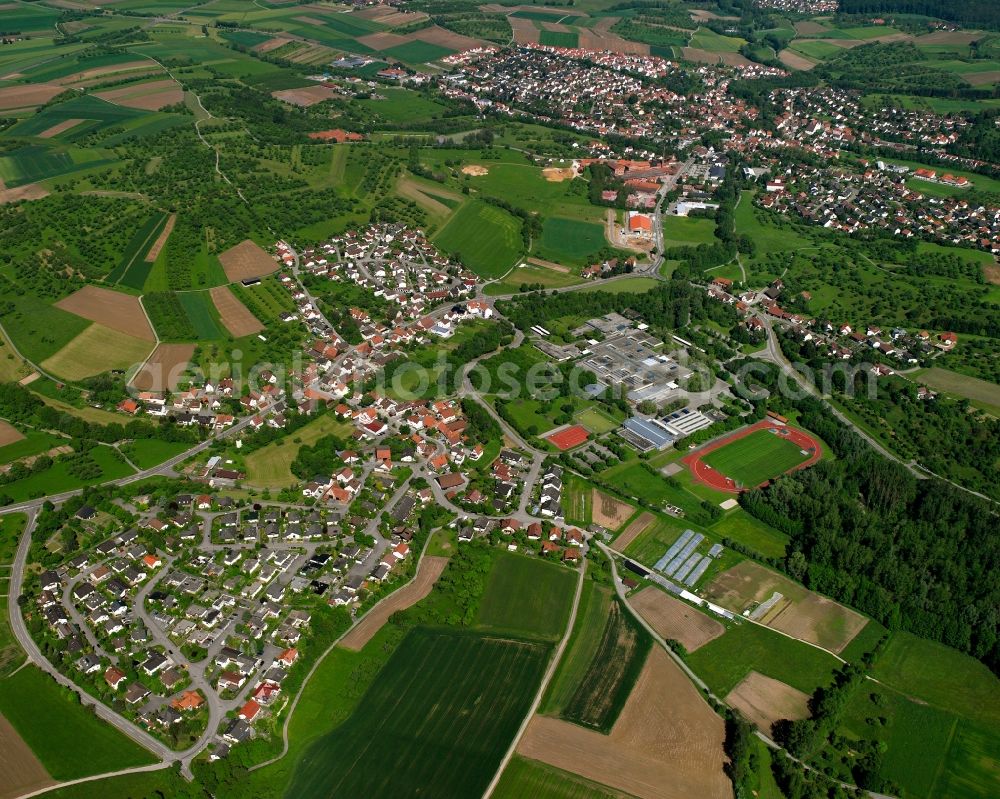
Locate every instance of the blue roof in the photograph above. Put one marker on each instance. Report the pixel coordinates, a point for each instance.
(649, 431)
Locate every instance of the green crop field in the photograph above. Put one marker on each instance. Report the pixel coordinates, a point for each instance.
(526, 596)
(417, 52)
(746, 647)
(246, 38)
(706, 39)
(750, 531)
(36, 162)
(602, 691)
(128, 271)
(96, 113)
(570, 241)
(524, 777)
(591, 616)
(26, 18)
(487, 238)
(558, 38)
(442, 712)
(70, 741)
(756, 458)
(202, 313)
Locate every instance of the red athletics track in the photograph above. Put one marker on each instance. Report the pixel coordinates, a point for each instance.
(704, 473)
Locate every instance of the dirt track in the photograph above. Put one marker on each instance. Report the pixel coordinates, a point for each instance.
(121, 312)
(666, 744)
(427, 574)
(673, 619)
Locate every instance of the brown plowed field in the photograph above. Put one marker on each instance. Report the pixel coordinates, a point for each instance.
(608, 511)
(234, 314)
(246, 260)
(304, 97)
(25, 96)
(30, 191)
(8, 433)
(596, 40)
(383, 41)
(62, 127)
(99, 72)
(20, 771)
(633, 531)
(121, 312)
(271, 44)
(161, 240)
(446, 38)
(792, 59)
(525, 31)
(673, 619)
(708, 57)
(763, 701)
(666, 744)
(164, 367)
(427, 574)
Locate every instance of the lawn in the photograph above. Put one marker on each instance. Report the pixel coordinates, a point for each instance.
(69, 740)
(270, 466)
(756, 458)
(570, 241)
(526, 597)
(750, 531)
(524, 777)
(442, 712)
(486, 238)
(746, 647)
(684, 231)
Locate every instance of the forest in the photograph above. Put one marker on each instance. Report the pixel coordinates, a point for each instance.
(978, 13)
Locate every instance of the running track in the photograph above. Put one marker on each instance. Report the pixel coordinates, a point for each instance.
(704, 473)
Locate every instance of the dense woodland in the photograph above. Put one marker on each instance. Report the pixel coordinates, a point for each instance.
(977, 13)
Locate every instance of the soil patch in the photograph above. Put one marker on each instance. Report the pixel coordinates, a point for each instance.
(633, 531)
(792, 59)
(809, 28)
(234, 314)
(548, 265)
(557, 175)
(475, 170)
(121, 312)
(305, 97)
(29, 191)
(161, 240)
(98, 72)
(666, 744)
(164, 368)
(763, 701)
(446, 38)
(62, 127)
(8, 433)
(420, 586)
(383, 41)
(992, 273)
(271, 44)
(610, 512)
(525, 31)
(246, 260)
(983, 78)
(674, 619)
(600, 40)
(25, 96)
(20, 771)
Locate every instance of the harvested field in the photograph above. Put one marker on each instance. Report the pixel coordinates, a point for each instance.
(700, 56)
(234, 314)
(666, 744)
(982, 78)
(548, 265)
(20, 771)
(26, 96)
(763, 701)
(305, 97)
(114, 95)
(161, 240)
(8, 433)
(446, 38)
(800, 613)
(427, 574)
(673, 619)
(525, 31)
(599, 40)
(963, 38)
(61, 127)
(795, 61)
(633, 531)
(310, 21)
(97, 349)
(556, 175)
(246, 260)
(475, 170)
(164, 368)
(383, 41)
(992, 273)
(29, 191)
(809, 28)
(610, 512)
(113, 309)
(271, 44)
(150, 96)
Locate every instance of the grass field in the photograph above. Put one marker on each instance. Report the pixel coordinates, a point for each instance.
(706, 39)
(597, 421)
(97, 349)
(756, 458)
(488, 239)
(577, 500)
(524, 777)
(532, 274)
(750, 531)
(33, 443)
(269, 467)
(570, 241)
(70, 741)
(442, 711)
(981, 393)
(746, 647)
(558, 38)
(526, 597)
(202, 314)
(591, 615)
(628, 285)
(11, 527)
(683, 231)
(59, 477)
(146, 452)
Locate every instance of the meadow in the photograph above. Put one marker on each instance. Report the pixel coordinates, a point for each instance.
(488, 239)
(97, 349)
(526, 597)
(76, 745)
(750, 531)
(270, 466)
(591, 616)
(148, 452)
(33, 443)
(524, 777)
(570, 241)
(756, 458)
(445, 738)
(60, 477)
(627, 285)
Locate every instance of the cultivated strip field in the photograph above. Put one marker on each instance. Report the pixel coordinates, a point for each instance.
(161, 240)
(27, 96)
(763, 701)
(427, 574)
(121, 312)
(97, 349)
(674, 619)
(20, 771)
(666, 744)
(610, 512)
(150, 96)
(246, 260)
(634, 530)
(164, 368)
(234, 314)
(61, 127)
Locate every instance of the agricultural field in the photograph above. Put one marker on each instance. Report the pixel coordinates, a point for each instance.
(270, 466)
(202, 314)
(15, 445)
(233, 314)
(526, 597)
(97, 349)
(577, 500)
(246, 260)
(524, 777)
(164, 368)
(135, 264)
(764, 701)
(120, 312)
(751, 532)
(673, 619)
(486, 238)
(449, 735)
(610, 512)
(980, 393)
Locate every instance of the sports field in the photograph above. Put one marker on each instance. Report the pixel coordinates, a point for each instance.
(569, 437)
(526, 597)
(487, 239)
(756, 458)
(571, 241)
(436, 721)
